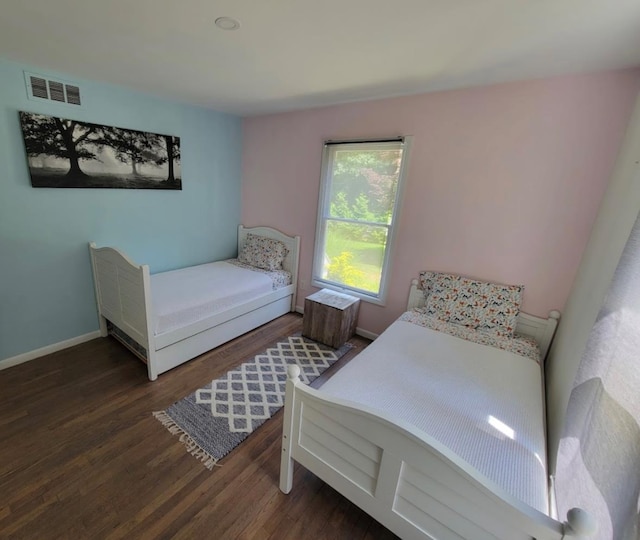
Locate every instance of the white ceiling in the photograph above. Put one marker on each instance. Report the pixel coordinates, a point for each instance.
(292, 54)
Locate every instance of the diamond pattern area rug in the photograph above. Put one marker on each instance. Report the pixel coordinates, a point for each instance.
(218, 417)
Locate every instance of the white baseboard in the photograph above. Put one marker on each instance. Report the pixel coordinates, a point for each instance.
(49, 349)
(359, 331)
(366, 334)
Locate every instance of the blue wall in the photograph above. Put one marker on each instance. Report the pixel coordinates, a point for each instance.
(46, 288)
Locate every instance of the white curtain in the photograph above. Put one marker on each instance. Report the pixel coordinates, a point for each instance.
(616, 216)
(598, 464)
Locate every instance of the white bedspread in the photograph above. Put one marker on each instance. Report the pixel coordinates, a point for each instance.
(187, 295)
(483, 403)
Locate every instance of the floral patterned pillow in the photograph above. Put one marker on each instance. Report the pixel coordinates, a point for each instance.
(426, 281)
(475, 304)
(263, 252)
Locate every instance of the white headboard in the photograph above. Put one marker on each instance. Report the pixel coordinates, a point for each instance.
(542, 330)
(291, 261)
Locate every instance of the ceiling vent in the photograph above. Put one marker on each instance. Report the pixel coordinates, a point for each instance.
(39, 88)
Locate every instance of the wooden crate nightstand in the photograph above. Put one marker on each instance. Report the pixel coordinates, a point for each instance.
(330, 317)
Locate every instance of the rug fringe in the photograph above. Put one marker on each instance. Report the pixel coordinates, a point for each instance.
(192, 446)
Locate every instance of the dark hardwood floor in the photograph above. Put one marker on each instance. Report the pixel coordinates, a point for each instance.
(81, 456)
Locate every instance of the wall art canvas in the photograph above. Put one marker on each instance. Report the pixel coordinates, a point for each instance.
(72, 154)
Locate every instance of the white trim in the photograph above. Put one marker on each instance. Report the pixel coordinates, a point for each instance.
(366, 333)
(49, 349)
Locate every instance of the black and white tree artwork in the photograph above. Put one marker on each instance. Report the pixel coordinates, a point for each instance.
(73, 154)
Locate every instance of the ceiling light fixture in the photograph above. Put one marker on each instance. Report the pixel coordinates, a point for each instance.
(227, 23)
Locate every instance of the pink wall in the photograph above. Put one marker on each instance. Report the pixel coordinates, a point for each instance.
(504, 181)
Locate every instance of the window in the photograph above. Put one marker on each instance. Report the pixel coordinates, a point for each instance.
(357, 212)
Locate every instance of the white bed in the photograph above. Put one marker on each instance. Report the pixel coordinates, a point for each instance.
(171, 317)
(434, 436)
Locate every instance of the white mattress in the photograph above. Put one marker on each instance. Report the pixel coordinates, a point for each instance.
(185, 296)
(483, 403)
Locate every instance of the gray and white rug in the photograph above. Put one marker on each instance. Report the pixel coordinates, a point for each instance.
(218, 417)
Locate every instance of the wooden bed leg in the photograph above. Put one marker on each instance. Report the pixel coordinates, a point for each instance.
(286, 461)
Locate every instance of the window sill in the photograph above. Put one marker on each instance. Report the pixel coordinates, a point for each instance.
(378, 301)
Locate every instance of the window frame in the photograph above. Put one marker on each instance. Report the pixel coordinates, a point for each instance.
(323, 216)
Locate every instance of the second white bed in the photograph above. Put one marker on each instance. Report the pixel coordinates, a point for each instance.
(171, 317)
(480, 402)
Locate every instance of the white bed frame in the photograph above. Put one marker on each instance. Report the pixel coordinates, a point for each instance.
(123, 295)
(542, 330)
(402, 477)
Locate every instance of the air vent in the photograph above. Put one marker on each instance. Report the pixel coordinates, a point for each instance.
(39, 88)
(56, 91)
(73, 94)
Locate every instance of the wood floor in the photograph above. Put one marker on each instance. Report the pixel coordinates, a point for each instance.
(82, 457)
